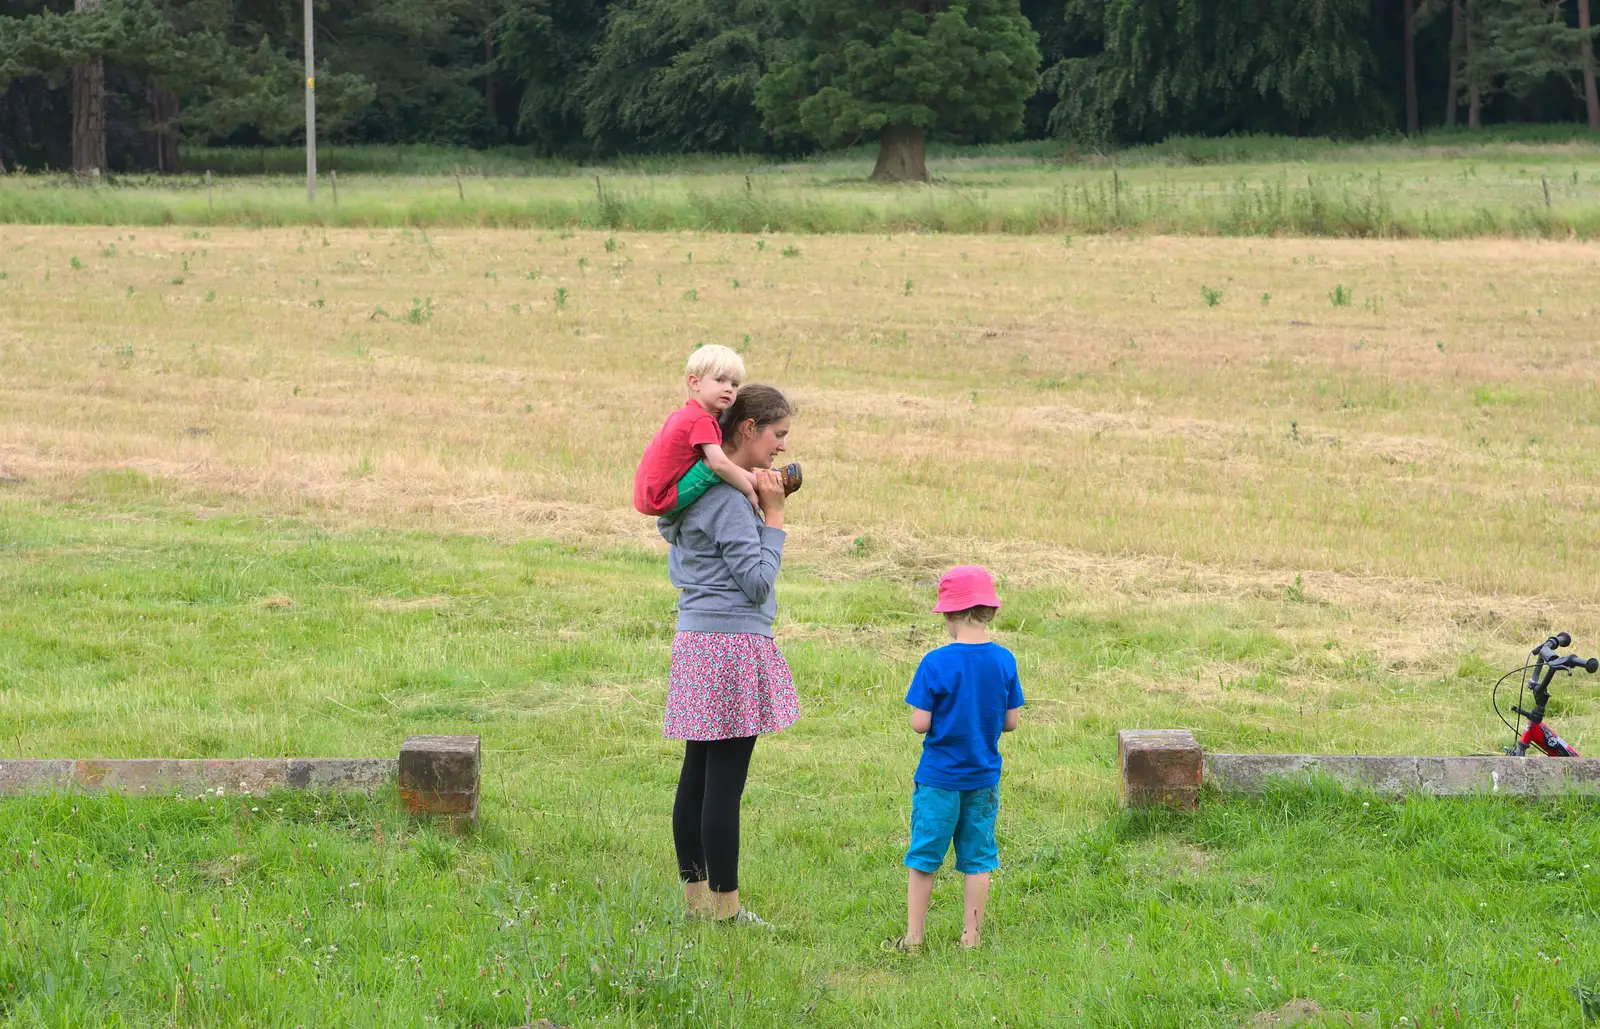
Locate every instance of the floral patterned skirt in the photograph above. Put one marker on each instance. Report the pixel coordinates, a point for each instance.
(727, 685)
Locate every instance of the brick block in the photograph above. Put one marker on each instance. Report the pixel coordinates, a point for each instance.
(439, 777)
(1160, 768)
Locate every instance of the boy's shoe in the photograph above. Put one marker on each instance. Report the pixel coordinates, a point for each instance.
(898, 945)
(791, 478)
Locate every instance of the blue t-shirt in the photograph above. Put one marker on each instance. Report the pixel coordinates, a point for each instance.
(968, 687)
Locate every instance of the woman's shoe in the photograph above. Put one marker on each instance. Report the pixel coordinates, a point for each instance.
(898, 945)
(791, 478)
(744, 916)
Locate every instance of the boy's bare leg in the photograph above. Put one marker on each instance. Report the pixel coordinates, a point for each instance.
(697, 899)
(919, 894)
(976, 898)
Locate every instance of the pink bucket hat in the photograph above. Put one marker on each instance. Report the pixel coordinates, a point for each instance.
(963, 587)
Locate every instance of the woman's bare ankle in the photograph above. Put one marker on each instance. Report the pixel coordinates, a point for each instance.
(697, 900)
(723, 905)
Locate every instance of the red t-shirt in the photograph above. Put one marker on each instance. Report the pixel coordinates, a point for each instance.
(673, 452)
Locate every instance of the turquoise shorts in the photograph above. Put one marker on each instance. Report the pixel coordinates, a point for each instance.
(965, 817)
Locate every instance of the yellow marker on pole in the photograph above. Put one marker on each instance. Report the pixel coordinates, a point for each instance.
(311, 83)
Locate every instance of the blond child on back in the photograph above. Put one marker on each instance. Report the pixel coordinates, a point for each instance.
(685, 458)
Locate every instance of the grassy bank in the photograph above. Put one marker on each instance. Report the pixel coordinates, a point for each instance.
(1444, 187)
(131, 628)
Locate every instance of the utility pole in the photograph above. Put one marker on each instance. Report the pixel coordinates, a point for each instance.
(311, 114)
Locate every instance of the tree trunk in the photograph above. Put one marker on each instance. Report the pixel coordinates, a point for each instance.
(902, 156)
(488, 76)
(1590, 100)
(1475, 101)
(1412, 122)
(88, 111)
(163, 130)
(1451, 100)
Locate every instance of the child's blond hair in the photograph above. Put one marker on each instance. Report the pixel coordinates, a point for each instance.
(715, 359)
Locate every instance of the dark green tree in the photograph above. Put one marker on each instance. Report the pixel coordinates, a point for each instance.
(425, 60)
(1515, 46)
(545, 47)
(1211, 66)
(212, 78)
(679, 75)
(896, 70)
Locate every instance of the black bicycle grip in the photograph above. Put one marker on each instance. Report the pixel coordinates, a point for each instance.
(1546, 651)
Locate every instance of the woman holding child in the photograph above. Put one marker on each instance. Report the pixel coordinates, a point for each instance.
(728, 682)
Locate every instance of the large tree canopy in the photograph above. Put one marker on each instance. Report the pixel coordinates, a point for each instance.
(679, 75)
(1515, 46)
(546, 48)
(1208, 66)
(894, 71)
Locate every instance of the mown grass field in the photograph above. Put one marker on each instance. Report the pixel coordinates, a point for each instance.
(1444, 186)
(307, 491)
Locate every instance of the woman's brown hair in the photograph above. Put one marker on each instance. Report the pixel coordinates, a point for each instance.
(756, 402)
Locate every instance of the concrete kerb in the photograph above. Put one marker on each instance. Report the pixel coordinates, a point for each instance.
(1166, 767)
(455, 800)
(1399, 774)
(158, 776)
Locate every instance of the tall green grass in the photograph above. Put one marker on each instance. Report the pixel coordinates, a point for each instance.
(1442, 187)
(1502, 142)
(1349, 207)
(298, 910)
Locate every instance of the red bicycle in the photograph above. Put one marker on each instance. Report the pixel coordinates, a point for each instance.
(1540, 670)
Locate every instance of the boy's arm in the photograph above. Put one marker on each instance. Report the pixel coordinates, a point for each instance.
(1013, 716)
(921, 721)
(727, 471)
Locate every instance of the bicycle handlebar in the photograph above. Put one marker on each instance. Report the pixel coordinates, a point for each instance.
(1572, 662)
(1539, 676)
(1546, 653)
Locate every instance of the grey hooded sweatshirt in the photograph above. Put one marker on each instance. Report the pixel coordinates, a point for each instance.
(724, 561)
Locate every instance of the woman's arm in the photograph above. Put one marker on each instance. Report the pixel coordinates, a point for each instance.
(752, 552)
(770, 497)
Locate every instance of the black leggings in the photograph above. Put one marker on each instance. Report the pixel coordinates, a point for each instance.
(705, 816)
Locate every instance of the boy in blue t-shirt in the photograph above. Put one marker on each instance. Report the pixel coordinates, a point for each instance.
(964, 695)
